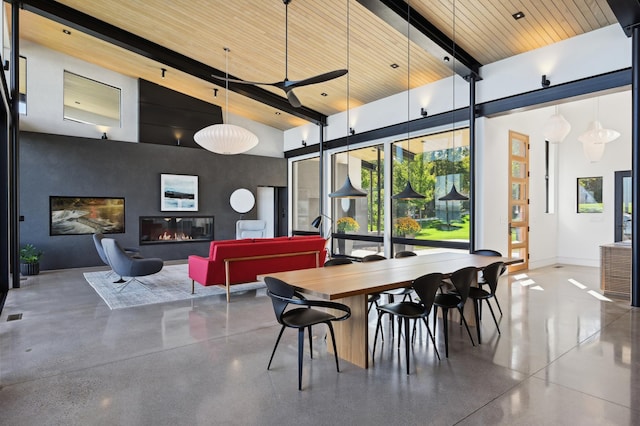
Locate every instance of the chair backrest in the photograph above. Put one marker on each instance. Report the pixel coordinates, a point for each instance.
(426, 288)
(405, 253)
(373, 258)
(491, 275)
(119, 261)
(97, 240)
(276, 287)
(338, 261)
(462, 279)
(487, 252)
(254, 228)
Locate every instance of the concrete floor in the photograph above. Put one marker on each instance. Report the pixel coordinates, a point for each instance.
(564, 357)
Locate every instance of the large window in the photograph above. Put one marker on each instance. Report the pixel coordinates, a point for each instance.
(305, 194)
(358, 223)
(438, 168)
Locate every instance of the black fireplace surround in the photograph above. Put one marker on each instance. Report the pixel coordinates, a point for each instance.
(175, 229)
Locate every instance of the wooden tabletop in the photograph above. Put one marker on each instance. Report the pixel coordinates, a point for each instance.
(337, 282)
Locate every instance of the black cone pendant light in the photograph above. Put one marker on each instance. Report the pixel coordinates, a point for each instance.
(408, 193)
(454, 195)
(348, 190)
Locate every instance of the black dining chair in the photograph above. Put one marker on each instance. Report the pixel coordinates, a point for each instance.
(304, 316)
(426, 288)
(405, 292)
(491, 274)
(338, 261)
(481, 280)
(461, 281)
(373, 298)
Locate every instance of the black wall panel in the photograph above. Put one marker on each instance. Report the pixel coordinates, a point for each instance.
(166, 115)
(63, 165)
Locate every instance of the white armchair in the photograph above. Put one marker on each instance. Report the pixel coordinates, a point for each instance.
(251, 229)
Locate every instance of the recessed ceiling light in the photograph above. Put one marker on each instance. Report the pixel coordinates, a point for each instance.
(323, 94)
(394, 66)
(66, 31)
(518, 15)
(278, 113)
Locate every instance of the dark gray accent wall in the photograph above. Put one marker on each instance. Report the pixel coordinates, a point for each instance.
(71, 166)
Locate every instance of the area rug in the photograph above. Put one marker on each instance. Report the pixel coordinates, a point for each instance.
(170, 284)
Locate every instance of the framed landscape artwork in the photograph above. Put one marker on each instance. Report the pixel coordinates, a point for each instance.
(178, 193)
(590, 195)
(85, 215)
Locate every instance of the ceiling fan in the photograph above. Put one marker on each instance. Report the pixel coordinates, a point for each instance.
(288, 85)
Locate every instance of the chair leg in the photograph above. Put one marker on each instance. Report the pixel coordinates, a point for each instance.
(464, 320)
(375, 339)
(476, 312)
(310, 342)
(445, 326)
(493, 315)
(300, 351)
(433, 339)
(275, 346)
(333, 340)
(406, 340)
(498, 303)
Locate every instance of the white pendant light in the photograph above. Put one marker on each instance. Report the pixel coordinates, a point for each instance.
(226, 139)
(593, 150)
(598, 135)
(556, 128)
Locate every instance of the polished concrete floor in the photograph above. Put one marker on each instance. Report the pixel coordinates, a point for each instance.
(564, 357)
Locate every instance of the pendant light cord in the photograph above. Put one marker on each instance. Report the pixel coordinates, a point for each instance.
(226, 86)
(408, 89)
(286, 39)
(348, 80)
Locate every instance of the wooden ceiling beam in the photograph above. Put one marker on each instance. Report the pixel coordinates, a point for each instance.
(427, 35)
(104, 31)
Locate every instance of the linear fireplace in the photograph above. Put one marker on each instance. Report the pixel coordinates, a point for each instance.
(175, 229)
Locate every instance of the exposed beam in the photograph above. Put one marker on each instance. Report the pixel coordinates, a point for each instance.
(427, 36)
(627, 12)
(104, 31)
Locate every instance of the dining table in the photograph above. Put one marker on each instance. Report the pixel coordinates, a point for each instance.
(350, 284)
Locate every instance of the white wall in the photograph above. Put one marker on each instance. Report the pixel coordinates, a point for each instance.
(265, 206)
(564, 236)
(597, 52)
(45, 70)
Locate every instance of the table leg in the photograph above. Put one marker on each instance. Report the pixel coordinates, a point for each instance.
(352, 335)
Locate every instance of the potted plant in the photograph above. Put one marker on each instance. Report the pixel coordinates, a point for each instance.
(346, 224)
(406, 227)
(30, 260)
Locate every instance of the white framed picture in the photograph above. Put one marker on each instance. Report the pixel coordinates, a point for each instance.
(178, 193)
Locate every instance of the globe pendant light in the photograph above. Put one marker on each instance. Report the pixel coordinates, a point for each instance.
(226, 139)
(556, 128)
(408, 193)
(348, 190)
(595, 138)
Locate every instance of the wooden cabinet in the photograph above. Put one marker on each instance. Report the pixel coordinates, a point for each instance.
(615, 270)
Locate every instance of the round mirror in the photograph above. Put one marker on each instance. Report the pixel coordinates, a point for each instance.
(242, 200)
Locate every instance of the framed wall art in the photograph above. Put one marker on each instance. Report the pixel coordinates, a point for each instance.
(85, 215)
(590, 195)
(178, 193)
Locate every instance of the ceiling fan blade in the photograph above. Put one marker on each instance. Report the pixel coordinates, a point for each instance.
(315, 80)
(293, 99)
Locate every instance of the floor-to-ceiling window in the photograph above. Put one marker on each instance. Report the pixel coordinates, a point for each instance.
(305, 194)
(358, 223)
(438, 167)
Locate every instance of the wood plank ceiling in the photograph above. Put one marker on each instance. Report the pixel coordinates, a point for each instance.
(255, 33)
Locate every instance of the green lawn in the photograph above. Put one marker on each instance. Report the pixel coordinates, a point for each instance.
(460, 232)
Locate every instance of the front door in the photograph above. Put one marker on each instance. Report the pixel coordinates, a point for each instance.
(518, 199)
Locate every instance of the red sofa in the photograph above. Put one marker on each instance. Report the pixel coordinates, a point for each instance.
(240, 261)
